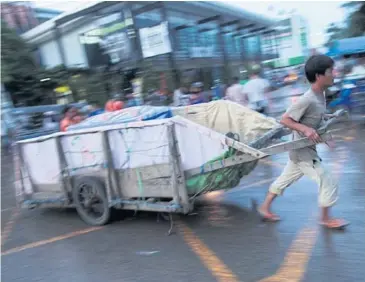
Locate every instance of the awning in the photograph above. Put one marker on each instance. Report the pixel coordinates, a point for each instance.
(348, 46)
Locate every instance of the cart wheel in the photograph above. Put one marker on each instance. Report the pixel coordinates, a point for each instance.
(90, 200)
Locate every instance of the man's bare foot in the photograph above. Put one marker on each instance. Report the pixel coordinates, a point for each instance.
(334, 223)
(267, 215)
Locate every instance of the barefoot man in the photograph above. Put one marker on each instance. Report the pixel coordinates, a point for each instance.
(304, 117)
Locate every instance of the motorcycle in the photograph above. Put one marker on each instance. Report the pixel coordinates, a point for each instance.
(340, 95)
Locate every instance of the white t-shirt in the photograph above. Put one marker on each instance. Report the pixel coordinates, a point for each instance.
(180, 99)
(235, 93)
(255, 89)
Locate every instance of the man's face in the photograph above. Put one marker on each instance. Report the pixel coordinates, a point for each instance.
(327, 79)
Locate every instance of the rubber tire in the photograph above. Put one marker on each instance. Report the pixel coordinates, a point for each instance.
(100, 187)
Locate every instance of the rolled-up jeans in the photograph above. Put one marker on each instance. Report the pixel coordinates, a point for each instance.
(327, 186)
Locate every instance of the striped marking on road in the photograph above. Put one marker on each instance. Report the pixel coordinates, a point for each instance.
(295, 262)
(51, 240)
(9, 226)
(217, 268)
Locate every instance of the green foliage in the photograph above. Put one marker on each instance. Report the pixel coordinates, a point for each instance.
(18, 69)
(355, 24)
(30, 85)
(335, 33)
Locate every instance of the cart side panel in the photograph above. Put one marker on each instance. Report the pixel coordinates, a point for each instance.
(83, 152)
(155, 180)
(86, 154)
(23, 187)
(196, 146)
(42, 169)
(141, 159)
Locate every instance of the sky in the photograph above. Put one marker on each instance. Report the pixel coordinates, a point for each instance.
(319, 14)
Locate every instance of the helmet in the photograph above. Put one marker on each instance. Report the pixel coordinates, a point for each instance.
(254, 69)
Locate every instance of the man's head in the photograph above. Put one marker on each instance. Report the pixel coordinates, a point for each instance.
(319, 70)
(255, 70)
(235, 80)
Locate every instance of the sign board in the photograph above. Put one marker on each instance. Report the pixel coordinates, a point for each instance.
(201, 52)
(155, 40)
(109, 41)
(114, 39)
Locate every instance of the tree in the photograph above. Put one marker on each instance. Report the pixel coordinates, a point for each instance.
(19, 71)
(335, 32)
(355, 24)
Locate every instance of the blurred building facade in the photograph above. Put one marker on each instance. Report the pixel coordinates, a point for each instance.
(292, 41)
(23, 15)
(6, 119)
(179, 36)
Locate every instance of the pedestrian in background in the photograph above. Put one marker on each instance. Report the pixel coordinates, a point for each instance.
(256, 89)
(235, 93)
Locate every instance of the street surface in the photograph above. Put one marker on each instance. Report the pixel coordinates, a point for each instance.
(224, 241)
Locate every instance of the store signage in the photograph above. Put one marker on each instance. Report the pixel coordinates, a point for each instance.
(201, 52)
(155, 40)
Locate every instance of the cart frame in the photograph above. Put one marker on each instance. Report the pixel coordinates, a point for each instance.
(179, 202)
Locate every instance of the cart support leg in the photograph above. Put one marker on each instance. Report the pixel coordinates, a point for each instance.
(178, 178)
(171, 225)
(65, 178)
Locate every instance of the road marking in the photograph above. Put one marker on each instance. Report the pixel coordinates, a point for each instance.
(48, 241)
(8, 209)
(9, 226)
(296, 260)
(217, 267)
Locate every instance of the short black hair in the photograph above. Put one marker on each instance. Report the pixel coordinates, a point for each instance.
(235, 79)
(317, 65)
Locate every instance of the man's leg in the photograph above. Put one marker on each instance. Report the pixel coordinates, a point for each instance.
(327, 191)
(290, 174)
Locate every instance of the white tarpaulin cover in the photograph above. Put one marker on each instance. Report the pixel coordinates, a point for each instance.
(225, 116)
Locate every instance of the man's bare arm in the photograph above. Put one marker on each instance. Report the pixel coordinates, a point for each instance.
(312, 134)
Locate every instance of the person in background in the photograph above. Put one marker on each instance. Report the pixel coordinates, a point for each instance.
(197, 94)
(235, 92)
(49, 122)
(256, 89)
(180, 97)
(164, 95)
(71, 116)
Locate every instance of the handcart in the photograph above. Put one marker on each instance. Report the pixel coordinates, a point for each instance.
(158, 165)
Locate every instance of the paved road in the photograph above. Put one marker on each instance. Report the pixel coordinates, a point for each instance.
(224, 241)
